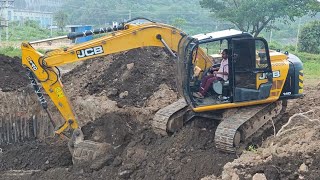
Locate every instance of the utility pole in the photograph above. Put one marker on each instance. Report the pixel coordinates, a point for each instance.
(51, 27)
(297, 40)
(4, 8)
(7, 20)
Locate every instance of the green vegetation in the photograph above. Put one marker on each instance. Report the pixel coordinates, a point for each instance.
(309, 39)
(187, 14)
(179, 22)
(311, 64)
(11, 51)
(255, 15)
(14, 51)
(252, 148)
(61, 19)
(29, 31)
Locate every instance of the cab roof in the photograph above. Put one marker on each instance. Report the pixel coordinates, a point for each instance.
(221, 35)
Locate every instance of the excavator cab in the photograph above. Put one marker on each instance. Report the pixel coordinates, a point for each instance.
(249, 68)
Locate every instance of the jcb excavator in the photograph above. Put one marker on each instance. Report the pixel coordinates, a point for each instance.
(259, 80)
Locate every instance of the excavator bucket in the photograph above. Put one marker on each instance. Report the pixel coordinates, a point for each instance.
(88, 153)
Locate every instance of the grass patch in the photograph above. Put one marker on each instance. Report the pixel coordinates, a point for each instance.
(311, 69)
(11, 51)
(311, 64)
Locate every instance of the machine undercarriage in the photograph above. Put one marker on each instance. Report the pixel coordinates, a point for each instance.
(236, 128)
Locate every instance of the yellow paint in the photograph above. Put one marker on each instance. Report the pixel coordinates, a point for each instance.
(278, 63)
(59, 92)
(300, 84)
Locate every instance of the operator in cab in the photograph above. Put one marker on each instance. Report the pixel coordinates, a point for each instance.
(220, 74)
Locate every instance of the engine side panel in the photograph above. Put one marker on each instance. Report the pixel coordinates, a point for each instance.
(293, 87)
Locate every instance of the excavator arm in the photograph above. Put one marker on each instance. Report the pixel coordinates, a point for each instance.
(43, 67)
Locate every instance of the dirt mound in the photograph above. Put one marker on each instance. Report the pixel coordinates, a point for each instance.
(145, 155)
(293, 153)
(35, 155)
(296, 166)
(112, 92)
(13, 75)
(129, 78)
(141, 154)
(113, 128)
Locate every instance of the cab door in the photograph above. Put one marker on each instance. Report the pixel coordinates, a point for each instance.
(251, 67)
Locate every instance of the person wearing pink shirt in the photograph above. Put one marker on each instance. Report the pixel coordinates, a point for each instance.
(221, 74)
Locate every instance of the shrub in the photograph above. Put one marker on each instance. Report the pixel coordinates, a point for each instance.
(309, 38)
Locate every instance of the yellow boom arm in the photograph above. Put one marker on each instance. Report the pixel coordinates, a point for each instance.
(43, 66)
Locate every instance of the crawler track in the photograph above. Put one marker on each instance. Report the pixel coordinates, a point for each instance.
(238, 129)
(170, 118)
(235, 130)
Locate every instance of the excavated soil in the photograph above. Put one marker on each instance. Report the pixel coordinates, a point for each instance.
(13, 75)
(129, 78)
(115, 98)
(297, 151)
(141, 154)
(292, 154)
(40, 155)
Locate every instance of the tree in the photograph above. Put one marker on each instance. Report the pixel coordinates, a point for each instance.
(309, 38)
(61, 19)
(255, 15)
(179, 22)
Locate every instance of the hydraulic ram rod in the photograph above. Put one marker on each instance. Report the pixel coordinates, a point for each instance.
(166, 45)
(49, 39)
(75, 35)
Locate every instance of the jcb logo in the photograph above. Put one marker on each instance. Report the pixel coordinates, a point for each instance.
(32, 64)
(275, 74)
(89, 52)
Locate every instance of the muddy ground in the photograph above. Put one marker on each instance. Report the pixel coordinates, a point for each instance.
(115, 97)
(292, 154)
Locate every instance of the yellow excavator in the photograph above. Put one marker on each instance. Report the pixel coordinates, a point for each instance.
(254, 94)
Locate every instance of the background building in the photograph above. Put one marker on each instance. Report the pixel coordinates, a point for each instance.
(21, 10)
(45, 19)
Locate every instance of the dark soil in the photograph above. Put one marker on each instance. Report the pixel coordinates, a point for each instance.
(189, 154)
(35, 155)
(13, 75)
(151, 67)
(112, 128)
